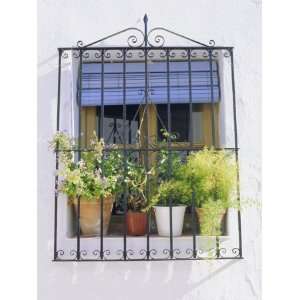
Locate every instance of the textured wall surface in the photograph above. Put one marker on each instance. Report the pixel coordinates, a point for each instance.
(231, 22)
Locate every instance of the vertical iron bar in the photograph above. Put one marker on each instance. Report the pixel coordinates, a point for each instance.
(191, 144)
(102, 136)
(190, 99)
(56, 154)
(194, 224)
(79, 104)
(212, 110)
(124, 158)
(78, 230)
(236, 150)
(169, 158)
(147, 133)
(79, 152)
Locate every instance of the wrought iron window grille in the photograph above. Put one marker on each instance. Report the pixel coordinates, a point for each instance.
(147, 46)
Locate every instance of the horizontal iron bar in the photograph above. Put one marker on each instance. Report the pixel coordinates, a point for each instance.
(150, 149)
(152, 259)
(146, 48)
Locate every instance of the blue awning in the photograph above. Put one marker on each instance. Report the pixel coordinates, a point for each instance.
(179, 88)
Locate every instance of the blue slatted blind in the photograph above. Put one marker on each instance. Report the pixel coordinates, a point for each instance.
(157, 83)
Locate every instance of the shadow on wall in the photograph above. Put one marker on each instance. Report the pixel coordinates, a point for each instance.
(180, 280)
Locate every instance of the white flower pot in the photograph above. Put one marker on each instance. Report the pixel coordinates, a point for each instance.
(162, 215)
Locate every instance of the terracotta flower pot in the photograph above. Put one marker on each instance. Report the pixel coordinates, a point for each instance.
(136, 223)
(213, 220)
(90, 215)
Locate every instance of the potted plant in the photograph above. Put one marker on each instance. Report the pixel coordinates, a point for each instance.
(85, 180)
(212, 174)
(171, 189)
(136, 179)
(178, 193)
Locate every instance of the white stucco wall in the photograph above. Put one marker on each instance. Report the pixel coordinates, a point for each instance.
(233, 23)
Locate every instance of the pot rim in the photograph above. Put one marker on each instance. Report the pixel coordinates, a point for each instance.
(206, 208)
(93, 200)
(167, 206)
(135, 212)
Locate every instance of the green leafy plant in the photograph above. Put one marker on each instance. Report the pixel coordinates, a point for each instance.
(168, 162)
(213, 174)
(136, 179)
(179, 192)
(85, 178)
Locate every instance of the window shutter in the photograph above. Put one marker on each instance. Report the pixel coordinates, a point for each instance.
(157, 80)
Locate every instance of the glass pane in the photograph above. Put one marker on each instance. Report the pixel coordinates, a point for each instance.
(113, 124)
(180, 121)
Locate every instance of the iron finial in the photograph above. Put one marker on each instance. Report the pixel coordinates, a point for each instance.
(145, 18)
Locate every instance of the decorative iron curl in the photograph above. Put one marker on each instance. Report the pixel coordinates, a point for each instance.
(60, 253)
(227, 53)
(141, 54)
(184, 53)
(65, 54)
(106, 253)
(119, 54)
(129, 254)
(177, 251)
(189, 252)
(215, 53)
(144, 253)
(222, 252)
(83, 253)
(205, 53)
(236, 252)
(199, 253)
(133, 40)
(107, 54)
(98, 54)
(79, 43)
(194, 53)
(172, 54)
(211, 43)
(129, 54)
(163, 53)
(158, 39)
(73, 252)
(167, 252)
(76, 54)
(152, 252)
(85, 54)
(150, 54)
(96, 253)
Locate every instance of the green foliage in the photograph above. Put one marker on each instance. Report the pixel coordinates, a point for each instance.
(213, 176)
(211, 218)
(177, 191)
(136, 179)
(84, 178)
(168, 162)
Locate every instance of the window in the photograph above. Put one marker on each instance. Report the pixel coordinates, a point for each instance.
(128, 96)
(158, 94)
